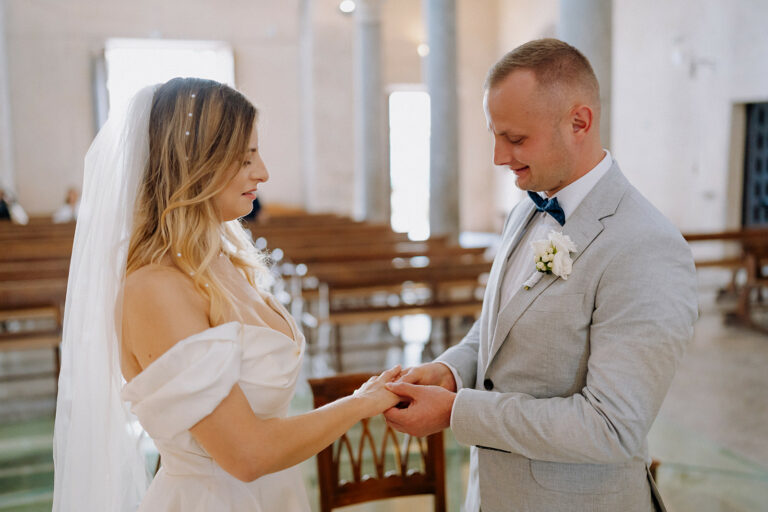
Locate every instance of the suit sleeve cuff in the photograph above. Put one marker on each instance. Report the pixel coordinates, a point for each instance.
(465, 413)
(456, 376)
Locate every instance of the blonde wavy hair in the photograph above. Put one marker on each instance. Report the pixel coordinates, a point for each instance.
(198, 135)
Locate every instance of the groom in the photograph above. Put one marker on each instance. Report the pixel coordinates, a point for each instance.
(557, 384)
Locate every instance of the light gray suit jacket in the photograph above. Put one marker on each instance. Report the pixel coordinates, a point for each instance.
(562, 383)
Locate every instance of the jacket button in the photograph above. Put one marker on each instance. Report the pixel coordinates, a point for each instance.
(488, 384)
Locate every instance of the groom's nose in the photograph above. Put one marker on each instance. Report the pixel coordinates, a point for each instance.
(503, 153)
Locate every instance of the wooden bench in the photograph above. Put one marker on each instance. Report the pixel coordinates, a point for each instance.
(30, 270)
(379, 251)
(291, 241)
(365, 279)
(319, 219)
(38, 230)
(32, 339)
(753, 255)
(33, 292)
(298, 217)
(371, 274)
(36, 249)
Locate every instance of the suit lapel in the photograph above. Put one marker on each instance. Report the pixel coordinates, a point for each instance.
(513, 232)
(583, 226)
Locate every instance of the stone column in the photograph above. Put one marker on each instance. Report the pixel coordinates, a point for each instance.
(587, 25)
(444, 140)
(7, 177)
(307, 104)
(372, 189)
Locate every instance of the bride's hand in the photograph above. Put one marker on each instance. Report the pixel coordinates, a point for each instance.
(375, 396)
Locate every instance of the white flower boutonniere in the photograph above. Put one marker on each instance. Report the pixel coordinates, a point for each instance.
(552, 256)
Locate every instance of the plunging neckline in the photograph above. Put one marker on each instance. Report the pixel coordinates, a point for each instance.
(278, 308)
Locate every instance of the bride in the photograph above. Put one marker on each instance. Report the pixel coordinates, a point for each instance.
(166, 290)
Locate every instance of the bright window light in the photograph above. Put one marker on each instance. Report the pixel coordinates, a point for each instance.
(409, 129)
(135, 63)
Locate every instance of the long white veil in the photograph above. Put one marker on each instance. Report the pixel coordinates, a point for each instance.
(98, 463)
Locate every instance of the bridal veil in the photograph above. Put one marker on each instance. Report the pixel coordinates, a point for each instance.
(99, 466)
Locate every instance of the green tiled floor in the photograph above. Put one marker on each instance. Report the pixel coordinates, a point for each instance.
(26, 466)
(698, 475)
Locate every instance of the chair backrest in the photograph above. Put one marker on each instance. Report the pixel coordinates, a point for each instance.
(372, 461)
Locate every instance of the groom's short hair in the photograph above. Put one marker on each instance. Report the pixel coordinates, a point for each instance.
(553, 62)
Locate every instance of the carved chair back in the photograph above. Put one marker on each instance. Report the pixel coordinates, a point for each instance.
(372, 461)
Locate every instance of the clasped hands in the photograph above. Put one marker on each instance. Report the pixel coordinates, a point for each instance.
(427, 393)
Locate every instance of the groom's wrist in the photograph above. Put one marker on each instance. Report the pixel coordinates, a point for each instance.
(454, 379)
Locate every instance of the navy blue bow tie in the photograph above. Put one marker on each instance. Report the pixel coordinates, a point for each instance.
(550, 206)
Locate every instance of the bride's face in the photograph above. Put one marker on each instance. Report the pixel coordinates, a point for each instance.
(236, 200)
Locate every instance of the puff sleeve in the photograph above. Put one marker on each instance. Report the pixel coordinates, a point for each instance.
(187, 382)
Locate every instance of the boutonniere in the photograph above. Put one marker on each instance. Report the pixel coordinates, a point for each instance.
(551, 256)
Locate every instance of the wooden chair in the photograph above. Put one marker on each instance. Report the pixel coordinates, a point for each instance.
(653, 468)
(402, 465)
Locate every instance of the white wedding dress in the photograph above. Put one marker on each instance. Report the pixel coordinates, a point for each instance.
(186, 384)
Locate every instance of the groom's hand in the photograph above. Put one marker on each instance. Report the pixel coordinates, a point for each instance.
(428, 411)
(429, 374)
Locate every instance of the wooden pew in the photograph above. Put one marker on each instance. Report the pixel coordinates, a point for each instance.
(358, 260)
(378, 251)
(352, 258)
(41, 269)
(35, 249)
(39, 229)
(321, 231)
(33, 293)
(370, 274)
(64, 232)
(364, 279)
(34, 263)
(40, 300)
(753, 255)
(305, 219)
(288, 243)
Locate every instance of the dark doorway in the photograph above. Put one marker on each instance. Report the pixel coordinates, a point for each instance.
(755, 198)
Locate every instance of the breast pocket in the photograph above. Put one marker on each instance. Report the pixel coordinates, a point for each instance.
(559, 324)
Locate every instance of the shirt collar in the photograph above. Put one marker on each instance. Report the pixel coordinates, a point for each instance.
(571, 196)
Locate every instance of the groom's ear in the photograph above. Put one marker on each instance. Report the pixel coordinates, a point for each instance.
(582, 120)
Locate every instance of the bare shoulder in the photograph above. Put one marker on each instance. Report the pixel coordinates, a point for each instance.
(150, 280)
(160, 307)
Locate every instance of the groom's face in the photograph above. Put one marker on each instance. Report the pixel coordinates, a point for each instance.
(529, 132)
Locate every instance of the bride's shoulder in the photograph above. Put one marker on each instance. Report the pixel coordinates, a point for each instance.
(155, 271)
(162, 286)
(160, 307)
(154, 281)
